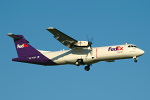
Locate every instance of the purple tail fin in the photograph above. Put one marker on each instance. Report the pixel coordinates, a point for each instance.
(28, 54)
(23, 48)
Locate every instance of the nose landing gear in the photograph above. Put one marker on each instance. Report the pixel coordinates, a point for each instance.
(135, 59)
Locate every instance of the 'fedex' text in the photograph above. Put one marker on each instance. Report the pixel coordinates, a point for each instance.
(115, 49)
(22, 46)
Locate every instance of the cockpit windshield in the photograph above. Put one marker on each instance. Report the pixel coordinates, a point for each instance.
(132, 46)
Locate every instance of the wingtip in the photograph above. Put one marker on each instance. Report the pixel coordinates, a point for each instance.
(50, 28)
(9, 34)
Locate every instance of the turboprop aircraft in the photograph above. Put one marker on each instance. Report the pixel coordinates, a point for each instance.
(80, 53)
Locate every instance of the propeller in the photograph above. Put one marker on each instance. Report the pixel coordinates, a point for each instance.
(90, 42)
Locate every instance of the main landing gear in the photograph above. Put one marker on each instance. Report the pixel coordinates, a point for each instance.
(80, 62)
(87, 68)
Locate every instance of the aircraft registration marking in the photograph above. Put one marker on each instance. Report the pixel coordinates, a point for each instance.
(34, 57)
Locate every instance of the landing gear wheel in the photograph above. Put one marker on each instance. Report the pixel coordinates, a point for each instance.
(135, 60)
(87, 68)
(77, 63)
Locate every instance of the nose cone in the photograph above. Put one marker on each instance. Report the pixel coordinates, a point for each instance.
(142, 52)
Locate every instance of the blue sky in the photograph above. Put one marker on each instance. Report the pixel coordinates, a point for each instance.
(108, 22)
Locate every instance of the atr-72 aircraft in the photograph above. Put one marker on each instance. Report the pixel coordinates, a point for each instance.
(80, 53)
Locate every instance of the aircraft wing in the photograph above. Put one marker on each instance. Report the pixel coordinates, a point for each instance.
(63, 38)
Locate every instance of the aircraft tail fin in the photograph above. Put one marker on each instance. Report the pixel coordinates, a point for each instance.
(23, 48)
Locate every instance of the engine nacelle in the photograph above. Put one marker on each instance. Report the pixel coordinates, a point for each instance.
(82, 43)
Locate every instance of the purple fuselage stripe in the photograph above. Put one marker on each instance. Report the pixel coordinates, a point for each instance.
(40, 61)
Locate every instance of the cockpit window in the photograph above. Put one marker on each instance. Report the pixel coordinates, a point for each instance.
(132, 46)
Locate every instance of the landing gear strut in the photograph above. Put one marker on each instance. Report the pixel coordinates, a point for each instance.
(135, 59)
(80, 62)
(87, 68)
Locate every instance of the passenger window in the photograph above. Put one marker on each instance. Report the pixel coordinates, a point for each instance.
(129, 46)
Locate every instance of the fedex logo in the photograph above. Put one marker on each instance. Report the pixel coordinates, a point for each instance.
(22, 46)
(115, 49)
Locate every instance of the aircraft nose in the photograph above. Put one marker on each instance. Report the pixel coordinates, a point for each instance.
(142, 52)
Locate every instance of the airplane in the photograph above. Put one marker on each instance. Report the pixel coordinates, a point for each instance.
(80, 53)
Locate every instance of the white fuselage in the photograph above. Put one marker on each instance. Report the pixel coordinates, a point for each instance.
(96, 54)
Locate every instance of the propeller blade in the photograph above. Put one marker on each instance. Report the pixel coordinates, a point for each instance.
(90, 42)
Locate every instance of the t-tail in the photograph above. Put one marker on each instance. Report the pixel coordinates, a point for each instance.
(27, 53)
